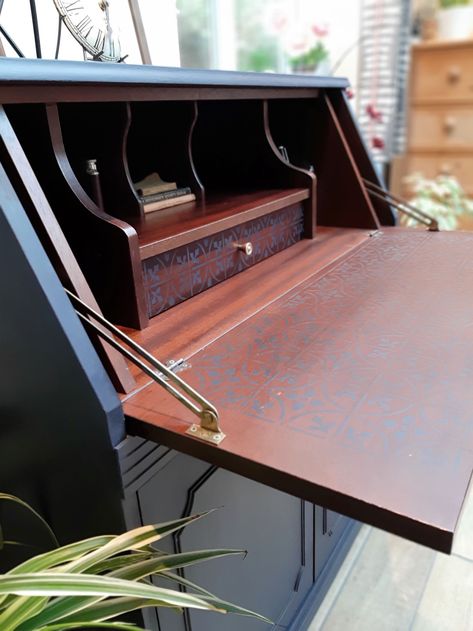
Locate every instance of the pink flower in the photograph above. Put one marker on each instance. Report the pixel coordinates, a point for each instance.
(279, 22)
(377, 142)
(350, 92)
(374, 113)
(319, 31)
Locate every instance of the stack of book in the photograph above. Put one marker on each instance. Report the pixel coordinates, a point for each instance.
(156, 194)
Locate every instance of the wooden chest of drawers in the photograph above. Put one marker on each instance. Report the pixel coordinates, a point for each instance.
(440, 138)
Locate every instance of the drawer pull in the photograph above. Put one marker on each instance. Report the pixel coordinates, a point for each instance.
(445, 169)
(449, 124)
(247, 247)
(453, 74)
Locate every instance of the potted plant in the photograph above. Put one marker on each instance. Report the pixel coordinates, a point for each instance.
(455, 19)
(92, 582)
(441, 198)
(306, 49)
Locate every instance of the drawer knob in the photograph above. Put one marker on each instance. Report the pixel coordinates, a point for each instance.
(445, 169)
(449, 124)
(247, 247)
(454, 74)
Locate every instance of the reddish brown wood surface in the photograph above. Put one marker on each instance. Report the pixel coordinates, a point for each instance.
(94, 93)
(182, 273)
(173, 227)
(353, 390)
(209, 315)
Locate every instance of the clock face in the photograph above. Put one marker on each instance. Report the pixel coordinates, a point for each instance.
(89, 23)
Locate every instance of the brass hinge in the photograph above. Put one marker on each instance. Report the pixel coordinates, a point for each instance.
(165, 375)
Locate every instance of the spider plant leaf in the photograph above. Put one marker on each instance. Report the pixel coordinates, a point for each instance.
(11, 498)
(227, 607)
(171, 561)
(52, 584)
(53, 558)
(115, 563)
(180, 580)
(109, 608)
(61, 555)
(19, 610)
(98, 625)
(62, 607)
(132, 540)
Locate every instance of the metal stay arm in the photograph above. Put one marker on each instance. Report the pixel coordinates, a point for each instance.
(209, 428)
(402, 205)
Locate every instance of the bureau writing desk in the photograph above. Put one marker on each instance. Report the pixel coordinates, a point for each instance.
(329, 353)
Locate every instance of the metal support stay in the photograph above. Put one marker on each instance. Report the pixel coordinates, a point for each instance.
(209, 428)
(405, 207)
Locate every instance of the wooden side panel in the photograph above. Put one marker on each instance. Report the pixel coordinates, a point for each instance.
(360, 153)
(105, 248)
(352, 391)
(55, 241)
(314, 139)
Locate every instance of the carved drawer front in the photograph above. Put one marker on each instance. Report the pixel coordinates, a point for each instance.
(442, 127)
(443, 73)
(174, 276)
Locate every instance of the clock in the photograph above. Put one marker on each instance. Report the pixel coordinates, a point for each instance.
(89, 23)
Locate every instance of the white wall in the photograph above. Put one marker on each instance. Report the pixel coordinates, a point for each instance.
(343, 20)
(159, 18)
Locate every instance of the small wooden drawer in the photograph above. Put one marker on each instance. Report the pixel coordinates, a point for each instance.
(444, 73)
(173, 276)
(442, 128)
(430, 166)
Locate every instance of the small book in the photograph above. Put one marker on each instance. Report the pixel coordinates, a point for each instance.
(152, 184)
(167, 203)
(157, 197)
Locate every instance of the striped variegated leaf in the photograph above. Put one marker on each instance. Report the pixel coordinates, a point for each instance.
(62, 607)
(16, 500)
(52, 584)
(99, 625)
(132, 540)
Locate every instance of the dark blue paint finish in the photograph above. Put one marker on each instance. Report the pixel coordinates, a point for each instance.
(58, 409)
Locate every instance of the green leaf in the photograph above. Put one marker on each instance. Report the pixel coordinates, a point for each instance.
(19, 610)
(49, 584)
(11, 498)
(171, 561)
(110, 608)
(97, 625)
(184, 581)
(52, 558)
(61, 555)
(222, 605)
(115, 563)
(132, 540)
(62, 607)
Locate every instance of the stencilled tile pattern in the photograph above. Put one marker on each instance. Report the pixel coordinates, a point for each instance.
(174, 276)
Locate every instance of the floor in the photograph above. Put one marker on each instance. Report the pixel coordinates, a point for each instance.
(389, 584)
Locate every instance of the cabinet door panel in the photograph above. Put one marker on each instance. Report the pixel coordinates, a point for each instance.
(276, 530)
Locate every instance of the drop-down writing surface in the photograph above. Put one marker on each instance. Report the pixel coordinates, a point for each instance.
(354, 390)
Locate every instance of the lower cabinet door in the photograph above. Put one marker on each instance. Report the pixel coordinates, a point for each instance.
(277, 531)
